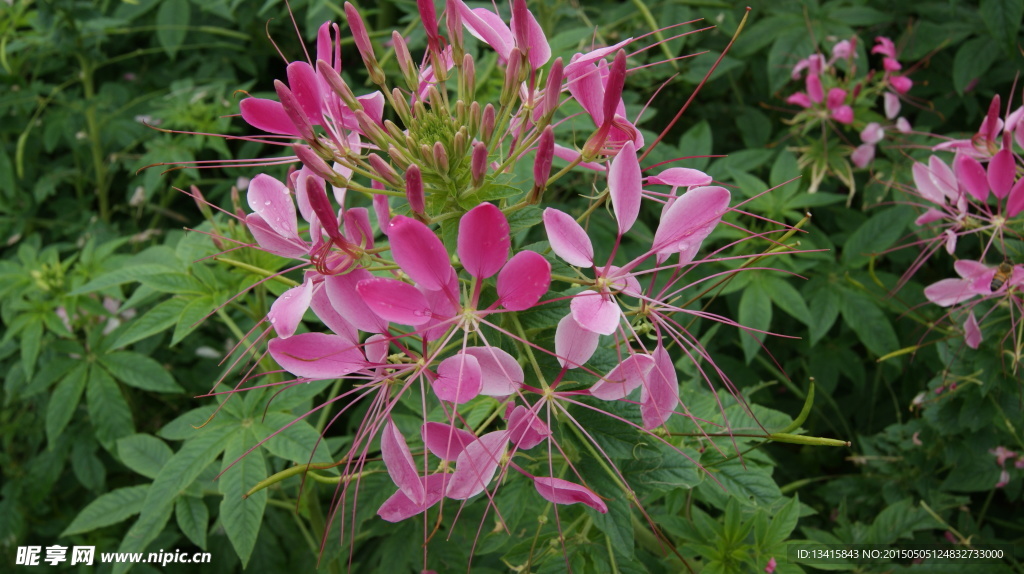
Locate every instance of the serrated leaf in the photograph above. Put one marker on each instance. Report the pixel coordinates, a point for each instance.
(31, 339)
(144, 453)
(88, 468)
(697, 141)
(873, 328)
(755, 312)
(64, 401)
(109, 508)
(751, 485)
(295, 441)
(108, 411)
(192, 316)
(492, 192)
(120, 276)
(876, 235)
(242, 517)
(193, 519)
(173, 282)
(161, 317)
(972, 60)
(824, 308)
(524, 219)
(1002, 18)
(139, 371)
(787, 298)
(173, 18)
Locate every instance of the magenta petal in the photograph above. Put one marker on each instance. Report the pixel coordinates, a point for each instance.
(287, 311)
(322, 306)
(399, 462)
(970, 269)
(418, 251)
(1002, 170)
(863, 155)
(925, 185)
(272, 201)
(624, 378)
(971, 175)
(561, 491)
(569, 155)
(680, 177)
(305, 86)
(484, 240)
(526, 429)
(341, 289)
(488, 27)
(523, 281)
(972, 331)
(625, 184)
(393, 300)
(537, 50)
(476, 466)
(658, 398)
(271, 241)
(595, 312)
(445, 441)
(317, 355)
(574, 345)
(949, 292)
(442, 308)
(568, 239)
(383, 212)
(1015, 203)
(943, 178)
(267, 115)
(399, 507)
(458, 380)
(930, 216)
(688, 221)
(501, 375)
(584, 82)
(376, 348)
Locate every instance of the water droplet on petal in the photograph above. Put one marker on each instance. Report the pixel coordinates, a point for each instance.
(267, 202)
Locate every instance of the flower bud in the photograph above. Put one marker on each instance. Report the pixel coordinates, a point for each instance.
(440, 158)
(453, 21)
(474, 118)
(371, 130)
(545, 155)
(295, 113)
(467, 80)
(552, 90)
(338, 85)
(427, 154)
(428, 15)
(405, 62)
(460, 142)
(393, 130)
(401, 160)
(414, 189)
(434, 97)
(384, 170)
(201, 203)
(323, 209)
(510, 88)
(401, 106)
(613, 89)
(478, 167)
(487, 123)
(362, 40)
(460, 112)
(315, 163)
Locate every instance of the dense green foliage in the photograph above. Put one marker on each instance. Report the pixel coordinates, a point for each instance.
(115, 319)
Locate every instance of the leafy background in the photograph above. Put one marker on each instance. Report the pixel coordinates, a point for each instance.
(99, 444)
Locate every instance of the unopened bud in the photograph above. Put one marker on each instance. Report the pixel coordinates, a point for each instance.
(419, 111)
(363, 44)
(295, 112)
(201, 203)
(393, 130)
(474, 118)
(461, 141)
(428, 15)
(338, 85)
(440, 158)
(478, 167)
(427, 154)
(460, 112)
(510, 89)
(434, 97)
(323, 209)
(401, 106)
(399, 158)
(553, 90)
(545, 154)
(613, 89)
(384, 170)
(405, 62)
(467, 81)
(314, 162)
(453, 21)
(370, 129)
(487, 123)
(414, 189)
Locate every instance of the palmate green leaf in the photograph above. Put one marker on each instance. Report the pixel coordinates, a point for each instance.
(781, 525)
(192, 316)
(783, 294)
(899, 520)
(193, 519)
(173, 19)
(110, 508)
(1002, 18)
(108, 411)
(492, 192)
(177, 474)
(873, 328)
(973, 58)
(163, 316)
(139, 371)
(294, 442)
(824, 307)
(752, 485)
(697, 141)
(120, 276)
(755, 312)
(144, 453)
(876, 235)
(242, 517)
(189, 425)
(64, 401)
(174, 282)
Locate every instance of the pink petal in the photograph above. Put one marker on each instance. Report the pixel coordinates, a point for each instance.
(324, 309)
(357, 227)
(445, 441)
(271, 200)
(341, 290)
(814, 89)
(625, 184)
(305, 86)
(476, 465)
(950, 241)
(501, 375)
(970, 269)
(383, 211)
(287, 311)
(971, 175)
(800, 99)
(872, 133)
(596, 312)
(943, 177)
(537, 50)
(902, 125)
(972, 332)
(843, 115)
(399, 506)
(901, 84)
(680, 177)
(488, 27)
(658, 398)
(523, 281)
(568, 239)
(484, 240)
(949, 292)
(418, 251)
(688, 221)
(376, 348)
(442, 308)
(458, 380)
(569, 155)
(863, 155)
(1002, 170)
(624, 378)
(317, 355)
(925, 185)
(401, 467)
(526, 429)
(267, 115)
(561, 491)
(930, 216)
(273, 242)
(1015, 203)
(892, 105)
(395, 301)
(584, 82)
(835, 98)
(574, 345)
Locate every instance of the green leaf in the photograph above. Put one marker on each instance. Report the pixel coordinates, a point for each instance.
(126, 274)
(824, 307)
(173, 19)
(876, 235)
(524, 219)
(787, 298)
(192, 316)
(191, 424)
(859, 16)
(88, 468)
(697, 141)
(869, 322)
(784, 169)
(174, 282)
(488, 192)
(64, 401)
(193, 519)
(108, 411)
(294, 442)
(242, 517)
(110, 508)
(750, 484)
(160, 317)
(755, 312)
(754, 126)
(144, 453)
(972, 60)
(782, 524)
(31, 339)
(1002, 18)
(139, 371)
